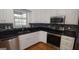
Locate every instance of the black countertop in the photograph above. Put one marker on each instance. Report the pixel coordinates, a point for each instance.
(12, 33)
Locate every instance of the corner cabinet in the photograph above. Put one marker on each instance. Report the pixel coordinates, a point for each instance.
(67, 43)
(27, 40)
(43, 36)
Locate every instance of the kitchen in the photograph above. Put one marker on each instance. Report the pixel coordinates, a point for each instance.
(22, 29)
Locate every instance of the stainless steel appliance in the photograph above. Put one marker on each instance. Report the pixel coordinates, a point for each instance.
(57, 20)
(54, 39)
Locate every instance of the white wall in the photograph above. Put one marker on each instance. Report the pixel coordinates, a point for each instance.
(71, 16)
(6, 16)
(43, 15)
(78, 15)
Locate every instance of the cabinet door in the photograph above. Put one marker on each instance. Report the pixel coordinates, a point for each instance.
(13, 44)
(27, 40)
(53, 39)
(4, 45)
(67, 43)
(43, 36)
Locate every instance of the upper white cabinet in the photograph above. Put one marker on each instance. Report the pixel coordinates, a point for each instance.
(6, 16)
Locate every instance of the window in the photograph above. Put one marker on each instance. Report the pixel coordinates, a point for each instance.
(21, 17)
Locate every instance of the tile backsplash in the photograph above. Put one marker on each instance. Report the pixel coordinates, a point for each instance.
(6, 25)
(57, 26)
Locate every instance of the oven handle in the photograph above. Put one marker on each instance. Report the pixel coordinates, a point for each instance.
(55, 34)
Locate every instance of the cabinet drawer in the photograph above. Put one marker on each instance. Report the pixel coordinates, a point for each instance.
(68, 41)
(66, 38)
(29, 35)
(25, 43)
(25, 37)
(65, 48)
(67, 44)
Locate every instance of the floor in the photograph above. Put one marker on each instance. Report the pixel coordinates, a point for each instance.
(42, 46)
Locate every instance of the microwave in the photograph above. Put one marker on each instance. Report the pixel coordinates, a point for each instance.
(56, 20)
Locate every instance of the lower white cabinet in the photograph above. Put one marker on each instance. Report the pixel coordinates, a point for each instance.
(24, 41)
(43, 36)
(67, 43)
(27, 40)
(13, 44)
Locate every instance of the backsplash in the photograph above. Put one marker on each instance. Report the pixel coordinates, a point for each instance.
(71, 27)
(6, 26)
(56, 26)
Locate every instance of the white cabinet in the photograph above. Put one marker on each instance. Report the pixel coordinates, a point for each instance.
(6, 16)
(67, 43)
(13, 44)
(43, 36)
(27, 40)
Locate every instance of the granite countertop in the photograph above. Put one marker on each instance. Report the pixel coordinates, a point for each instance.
(11, 33)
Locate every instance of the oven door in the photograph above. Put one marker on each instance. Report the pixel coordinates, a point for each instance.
(53, 39)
